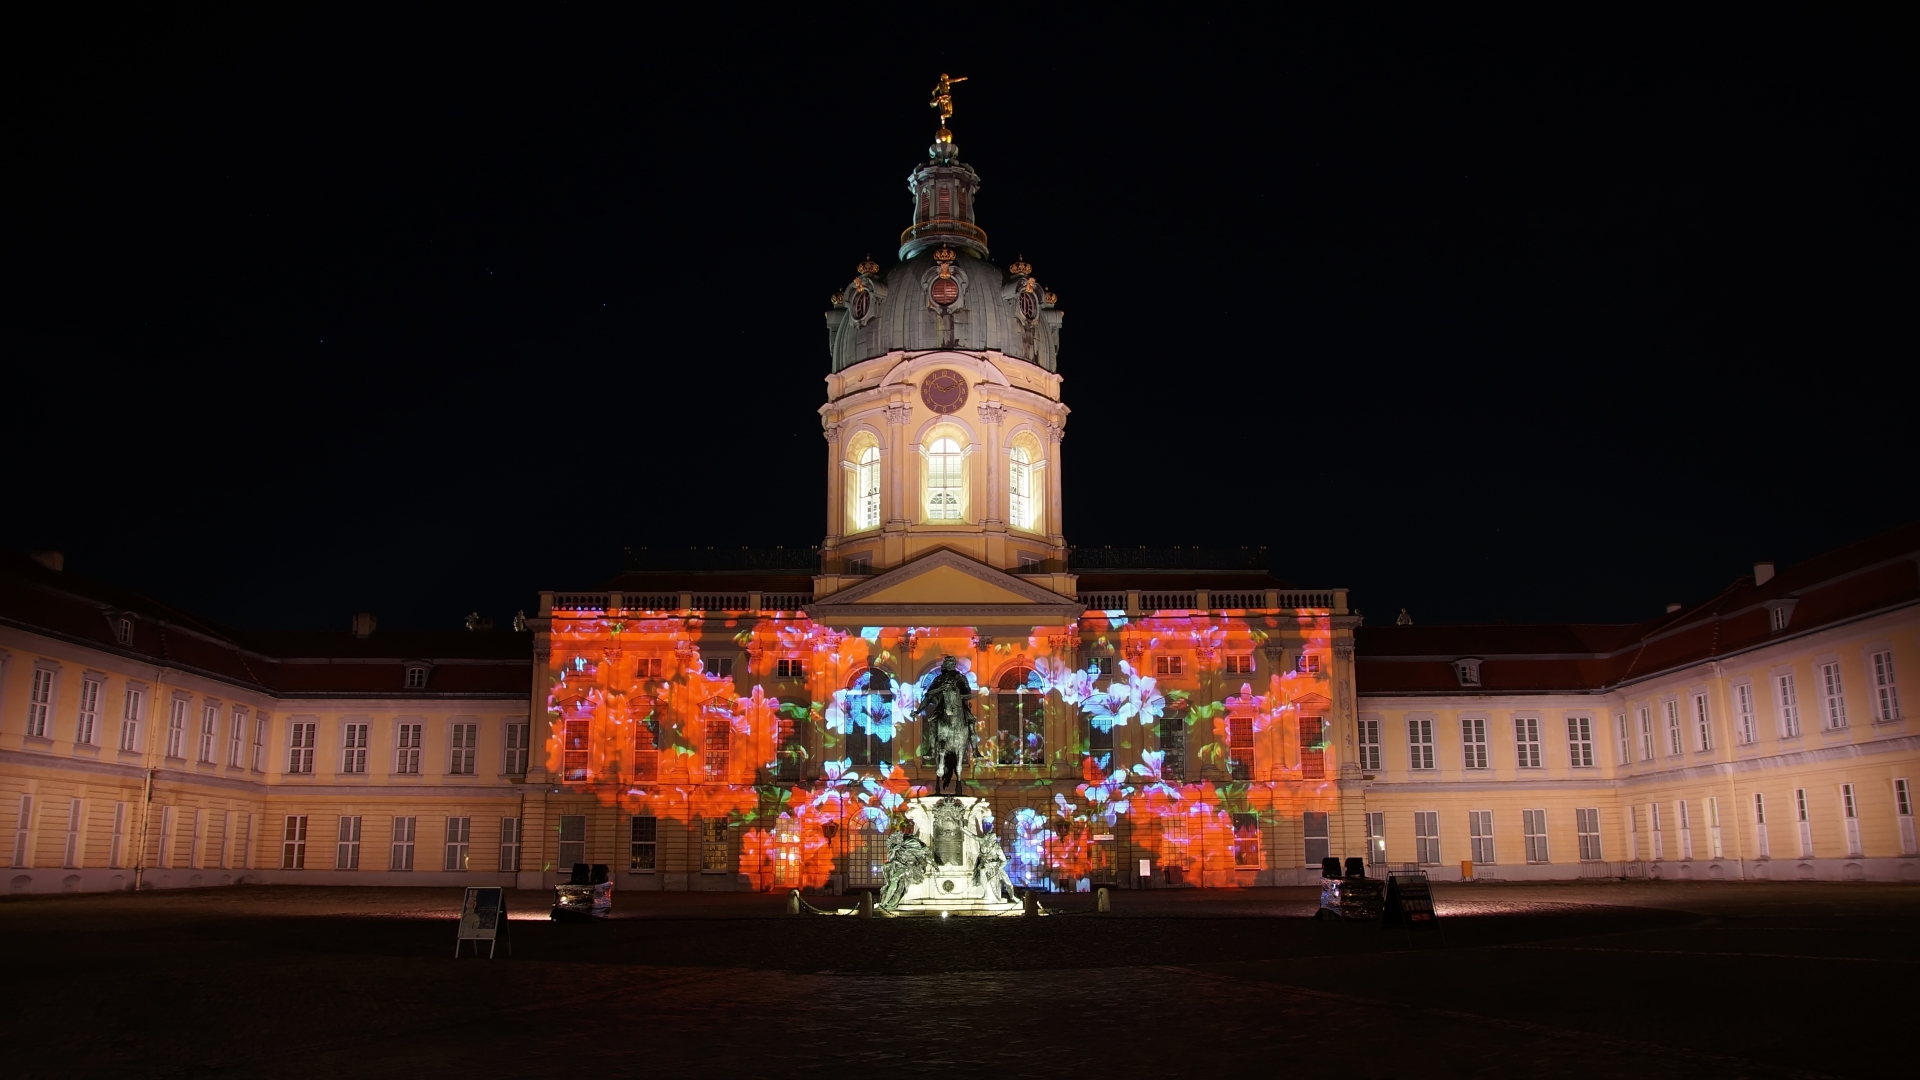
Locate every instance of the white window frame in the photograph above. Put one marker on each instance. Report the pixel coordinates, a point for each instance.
(514, 762)
(177, 728)
(1646, 733)
(509, 844)
(260, 722)
(1850, 816)
(75, 850)
(1020, 489)
(408, 736)
(463, 753)
(40, 700)
(87, 727)
(1420, 744)
(1833, 695)
(1370, 745)
(946, 479)
(1703, 724)
(237, 738)
(354, 736)
(1473, 743)
(405, 831)
(117, 844)
(573, 842)
(1903, 813)
(1676, 737)
(1886, 694)
(416, 677)
(1376, 837)
(1786, 699)
(1533, 830)
(1426, 837)
(867, 489)
(1657, 833)
(459, 843)
(1623, 726)
(130, 720)
(1586, 827)
(1761, 844)
(23, 843)
(209, 730)
(1746, 730)
(1480, 837)
(1526, 742)
(293, 843)
(1686, 832)
(347, 843)
(1803, 817)
(302, 738)
(1580, 742)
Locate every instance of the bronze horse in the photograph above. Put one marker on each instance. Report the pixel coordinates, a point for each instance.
(949, 737)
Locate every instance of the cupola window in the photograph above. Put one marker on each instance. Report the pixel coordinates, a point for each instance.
(943, 481)
(1020, 488)
(867, 479)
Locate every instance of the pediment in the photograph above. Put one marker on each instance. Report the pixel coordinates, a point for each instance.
(945, 589)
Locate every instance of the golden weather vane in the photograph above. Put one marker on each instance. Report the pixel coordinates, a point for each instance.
(943, 101)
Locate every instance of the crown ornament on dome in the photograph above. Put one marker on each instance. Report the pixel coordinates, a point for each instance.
(944, 255)
(837, 299)
(1020, 267)
(867, 267)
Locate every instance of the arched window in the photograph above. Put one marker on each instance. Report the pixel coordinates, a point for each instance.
(870, 719)
(1019, 710)
(867, 488)
(1020, 488)
(943, 480)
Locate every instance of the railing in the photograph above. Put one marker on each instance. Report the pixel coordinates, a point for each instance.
(597, 604)
(585, 601)
(650, 601)
(721, 601)
(1104, 601)
(783, 601)
(1138, 603)
(1307, 598)
(1168, 601)
(1228, 600)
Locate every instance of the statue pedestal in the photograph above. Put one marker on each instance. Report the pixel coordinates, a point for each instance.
(951, 826)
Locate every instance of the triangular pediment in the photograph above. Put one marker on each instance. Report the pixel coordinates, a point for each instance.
(944, 588)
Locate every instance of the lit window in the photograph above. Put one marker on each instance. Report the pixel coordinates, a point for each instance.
(943, 481)
(642, 854)
(416, 677)
(1020, 488)
(1166, 664)
(1020, 718)
(867, 489)
(789, 667)
(459, 842)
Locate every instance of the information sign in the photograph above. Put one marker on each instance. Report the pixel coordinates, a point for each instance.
(483, 917)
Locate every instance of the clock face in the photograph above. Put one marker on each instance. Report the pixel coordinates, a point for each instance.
(944, 391)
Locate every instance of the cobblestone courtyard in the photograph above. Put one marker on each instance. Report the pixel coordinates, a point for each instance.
(1588, 979)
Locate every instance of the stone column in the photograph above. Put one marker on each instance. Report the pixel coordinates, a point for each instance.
(1056, 533)
(836, 486)
(991, 415)
(899, 462)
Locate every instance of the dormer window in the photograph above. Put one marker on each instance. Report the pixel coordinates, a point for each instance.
(416, 676)
(1468, 669)
(123, 630)
(1780, 613)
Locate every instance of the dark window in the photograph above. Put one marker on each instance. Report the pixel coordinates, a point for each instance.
(1020, 719)
(644, 852)
(870, 704)
(1173, 742)
(1313, 748)
(1313, 825)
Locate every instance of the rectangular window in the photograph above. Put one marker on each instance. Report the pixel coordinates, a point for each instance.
(1903, 812)
(1240, 745)
(1246, 840)
(1473, 742)
(293, 843)
(1686, 832)
(516, 750)
(209, 722)
(237, 738)
(24, 833)
(76, 829)
(713, 844)
(1646, 733)
(1625, 731)
(1789, 706)
(717, 667)
(130, 722)
(1586, 825)
(1420, 744)
(1313, 828)
(573, 842)
(1743, 713)
(466, 742)
(353, 753)
(718, 745)
(646, 742)
(224, 853)
(347, 846)
(117, 849)
(647, 667)
(1307, 663)
(1165, 664)
(260, 743)
(1533, 826)
(1370, 746)
(1313, 748)
(1426, 837)
(86, 732)
(1850, 816)
(177, 728)
(1099, 739)
(1715, 849)
(509, 844)
(1805, 822)
(789, 667)
(1580, 741)
(1833, 701)
(1480, 836)
(1238, 663)
(1376, 838)
(1173, 743)
(576, 750)
(1633, 832)
(1659, 834)
(1764, 849)
(459, 842)
(39, 702)
(301, 738)
(400, 857)
(644, 836)
(1675, 744)
(1526, 737)
(406, 754)
(193, 837)
(245, 848)
(1886, 697)
(1702, 724)
(165, 854)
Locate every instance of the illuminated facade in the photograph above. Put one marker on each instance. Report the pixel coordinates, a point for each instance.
(743, 720)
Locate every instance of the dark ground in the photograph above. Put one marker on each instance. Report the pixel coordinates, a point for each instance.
(1587, 979)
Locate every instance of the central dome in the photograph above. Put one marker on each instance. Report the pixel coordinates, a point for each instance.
(944, 294)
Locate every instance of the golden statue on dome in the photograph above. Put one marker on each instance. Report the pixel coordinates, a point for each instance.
(943, 101)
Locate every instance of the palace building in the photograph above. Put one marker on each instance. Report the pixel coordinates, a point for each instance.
(744, 719)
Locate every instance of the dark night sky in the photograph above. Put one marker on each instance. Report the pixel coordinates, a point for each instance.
(1525, 321)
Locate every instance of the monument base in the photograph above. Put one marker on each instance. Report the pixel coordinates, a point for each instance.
(953, 827)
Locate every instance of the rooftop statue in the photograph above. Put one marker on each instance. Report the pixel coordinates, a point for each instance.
(943, 101)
